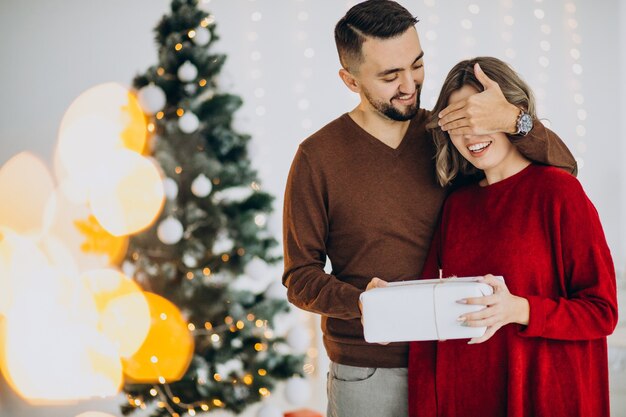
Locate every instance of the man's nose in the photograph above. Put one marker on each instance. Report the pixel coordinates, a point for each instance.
(407, 85)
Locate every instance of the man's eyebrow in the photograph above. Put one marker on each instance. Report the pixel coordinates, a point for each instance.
(392, 70)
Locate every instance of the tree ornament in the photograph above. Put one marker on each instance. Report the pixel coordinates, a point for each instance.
(203, 36)
(190, 261)
(201, 186)
(297, 391)
(188, 122)
(187, 72)
(128, 268)
(170, 231)
(191, 88)
(222, 244)
(171, 188)
(151, 98)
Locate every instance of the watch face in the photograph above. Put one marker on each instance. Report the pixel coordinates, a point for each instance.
(525, 123)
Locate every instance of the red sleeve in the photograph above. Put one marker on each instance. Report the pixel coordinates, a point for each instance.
(589, 310)
(544, 146)
(305, 230)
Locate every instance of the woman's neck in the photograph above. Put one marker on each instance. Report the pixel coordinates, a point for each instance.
(511, 165)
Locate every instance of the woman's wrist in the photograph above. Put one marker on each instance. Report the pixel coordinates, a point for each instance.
(523, 311)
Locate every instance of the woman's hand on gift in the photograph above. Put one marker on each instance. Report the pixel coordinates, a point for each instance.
(501, 308)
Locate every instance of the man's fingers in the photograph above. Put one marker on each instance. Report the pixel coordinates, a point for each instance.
(453, 116)
(464, 130)
(482, 77)
(452, 107)
(376, 283)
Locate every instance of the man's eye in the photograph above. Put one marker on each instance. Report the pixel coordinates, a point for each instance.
(388, 80)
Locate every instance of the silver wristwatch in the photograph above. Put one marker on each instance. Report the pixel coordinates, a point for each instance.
(524, 123)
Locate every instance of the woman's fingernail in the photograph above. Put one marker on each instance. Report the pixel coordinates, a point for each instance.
(463, 301)
(465, 324)
(461, 319)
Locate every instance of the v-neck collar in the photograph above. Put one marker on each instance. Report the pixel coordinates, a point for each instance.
(379, 143)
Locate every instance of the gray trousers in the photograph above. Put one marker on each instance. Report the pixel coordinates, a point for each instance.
(367, 392)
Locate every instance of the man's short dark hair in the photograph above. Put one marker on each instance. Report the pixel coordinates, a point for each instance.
(382, 19)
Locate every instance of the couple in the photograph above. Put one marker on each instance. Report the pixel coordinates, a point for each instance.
(367, 191)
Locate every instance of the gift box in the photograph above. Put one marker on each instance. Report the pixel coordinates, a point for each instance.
(421, 310)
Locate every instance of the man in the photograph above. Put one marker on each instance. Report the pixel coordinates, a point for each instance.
(362, 192)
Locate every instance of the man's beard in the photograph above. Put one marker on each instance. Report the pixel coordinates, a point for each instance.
(394, 113)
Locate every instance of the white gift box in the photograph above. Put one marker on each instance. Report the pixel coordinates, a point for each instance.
(421, 310)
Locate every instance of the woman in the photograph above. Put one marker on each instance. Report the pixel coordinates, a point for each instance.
(544, 352)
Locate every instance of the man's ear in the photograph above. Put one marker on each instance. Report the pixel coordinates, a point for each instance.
(349, 80)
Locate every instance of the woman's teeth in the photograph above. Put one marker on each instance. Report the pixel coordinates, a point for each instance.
(477, 147)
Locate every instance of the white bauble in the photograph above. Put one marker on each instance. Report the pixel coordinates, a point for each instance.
(170, 231)
(191, 88)
(203, 36)
(202, 374)
(201, 186)
(187, 72)
(297, 391)
(298, 338)
(129, 268)
(276, 291)
(190, 261)
(151, 98)
(171, 188)
(222, 244)
(189, 122)
(269, 410)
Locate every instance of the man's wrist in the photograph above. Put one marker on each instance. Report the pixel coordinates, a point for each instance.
(513, 114)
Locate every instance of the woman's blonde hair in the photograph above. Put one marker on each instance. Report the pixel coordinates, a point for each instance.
(448, 161)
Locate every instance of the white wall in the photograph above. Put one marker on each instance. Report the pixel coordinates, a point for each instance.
(285, 67)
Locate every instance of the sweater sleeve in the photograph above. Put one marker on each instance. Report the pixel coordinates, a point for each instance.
(589, 309)
(305, 230)
(543, 146)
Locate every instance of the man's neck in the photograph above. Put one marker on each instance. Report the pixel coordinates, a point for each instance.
(388, 131)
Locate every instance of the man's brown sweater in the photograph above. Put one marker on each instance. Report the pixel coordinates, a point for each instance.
(371, 210)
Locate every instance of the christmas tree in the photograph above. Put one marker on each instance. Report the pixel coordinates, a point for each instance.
(207, 252)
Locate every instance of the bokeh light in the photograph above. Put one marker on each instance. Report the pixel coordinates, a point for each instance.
(124, 315)
(168, 348)
(72, 223)
(127, 199)
(25, 187)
